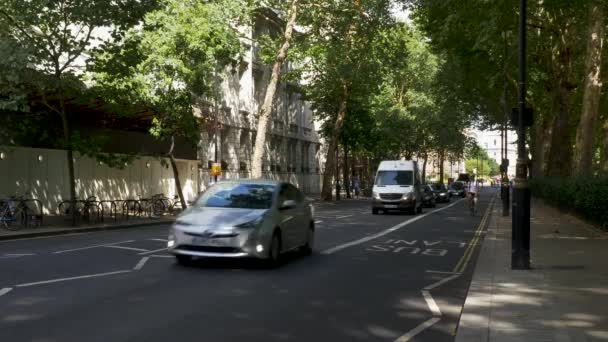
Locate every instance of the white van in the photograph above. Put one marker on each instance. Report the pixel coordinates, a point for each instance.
(397, 187)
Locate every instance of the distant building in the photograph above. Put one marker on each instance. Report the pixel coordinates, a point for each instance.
(490, 141)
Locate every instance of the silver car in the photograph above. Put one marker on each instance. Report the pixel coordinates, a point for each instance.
(244, 218)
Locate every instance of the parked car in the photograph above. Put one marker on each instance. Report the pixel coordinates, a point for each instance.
(244, 218)
(429, 199)
(441, 193)
(397, 187)
(458, 189)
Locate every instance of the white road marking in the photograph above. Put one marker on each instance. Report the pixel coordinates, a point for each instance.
(89, 247)
(317, 222)
(141, 263)
(384, 232)
(163, 240)
(162, 256)
(442, 281)
(128, 248)
(431, 303)
(72, 278)
(152, 252)
(343, 216)
(5, 291)
(417, 330)
(19, 254)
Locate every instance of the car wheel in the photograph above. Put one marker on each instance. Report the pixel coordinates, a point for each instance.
(274, 250)
(184, 260)
(310, 240)
(374, 211)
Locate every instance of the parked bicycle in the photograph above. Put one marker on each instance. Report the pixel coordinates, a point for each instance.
(18, 212)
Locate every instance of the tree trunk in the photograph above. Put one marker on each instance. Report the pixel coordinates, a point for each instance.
(560, 154)
(330, 161)
(178, 184)
(441, 160)
(426, 159)
(266, 110)
(346, 178)
(585, 134)
(69, 155)
(604, 155)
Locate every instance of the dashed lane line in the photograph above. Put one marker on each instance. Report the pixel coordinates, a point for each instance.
(141, 263)
(95, 275)
(163, 240)
(384, 232)
(90, 247)
(417, 330)
(128, 248)
(5, 291)
(152, 252)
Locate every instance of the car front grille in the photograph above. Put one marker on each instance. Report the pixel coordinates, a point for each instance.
(209, 249)
(391, 197)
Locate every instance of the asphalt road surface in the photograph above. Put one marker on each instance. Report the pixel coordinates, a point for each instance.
(395, 277)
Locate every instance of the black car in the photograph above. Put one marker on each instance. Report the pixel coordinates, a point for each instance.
(458, 189)
(429, 199)
(441, 193)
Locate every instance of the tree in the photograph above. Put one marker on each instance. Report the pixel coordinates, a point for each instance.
(586, 132)
(167, 65)
(266, 108)
(54, 37)
(342, 62)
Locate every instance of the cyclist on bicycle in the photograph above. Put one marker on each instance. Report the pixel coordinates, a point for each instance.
(472, 192)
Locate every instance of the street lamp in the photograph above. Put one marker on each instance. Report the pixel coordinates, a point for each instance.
(520, 227)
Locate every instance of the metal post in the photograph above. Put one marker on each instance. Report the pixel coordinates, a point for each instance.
(520, 241)
(217, 113)
(504, 190)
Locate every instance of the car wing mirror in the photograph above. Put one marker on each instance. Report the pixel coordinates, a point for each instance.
(288, 204)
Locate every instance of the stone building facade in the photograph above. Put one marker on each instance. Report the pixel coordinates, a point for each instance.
(293, 148)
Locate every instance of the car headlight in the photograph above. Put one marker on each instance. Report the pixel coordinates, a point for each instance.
(251, 224)
(408, 196)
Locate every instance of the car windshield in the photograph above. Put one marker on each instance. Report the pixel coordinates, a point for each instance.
(438, 187)
(457, 186)
(395, 178)
(234, 195)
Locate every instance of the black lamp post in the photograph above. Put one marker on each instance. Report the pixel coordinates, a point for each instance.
(520, 240)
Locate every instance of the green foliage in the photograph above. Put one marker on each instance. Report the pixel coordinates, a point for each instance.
(168, 63)
(586, 197)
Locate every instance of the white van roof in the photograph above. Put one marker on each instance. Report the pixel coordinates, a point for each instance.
(396, 165)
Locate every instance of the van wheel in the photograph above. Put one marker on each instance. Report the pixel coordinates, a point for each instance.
(374, 211)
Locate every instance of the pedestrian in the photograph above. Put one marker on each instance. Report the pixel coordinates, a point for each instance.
(356, 187)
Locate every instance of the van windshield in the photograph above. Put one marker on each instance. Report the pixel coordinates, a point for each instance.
(395, 178)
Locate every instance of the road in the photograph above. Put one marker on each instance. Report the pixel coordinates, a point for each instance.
(395, 277)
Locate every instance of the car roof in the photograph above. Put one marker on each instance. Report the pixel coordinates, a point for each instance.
(251, 181)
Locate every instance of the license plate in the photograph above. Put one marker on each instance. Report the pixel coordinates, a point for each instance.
(201, 241)
(391, 206)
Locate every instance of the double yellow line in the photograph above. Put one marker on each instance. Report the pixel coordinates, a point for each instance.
(462, 264)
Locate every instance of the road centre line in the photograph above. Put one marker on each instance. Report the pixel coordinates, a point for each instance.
(152, 252)
(385, 232)
(89, 247)
(128, 248)
(417, 330)
(5, 291)
(464, 260)
(72, 278)
(141, 263)
(163, 240)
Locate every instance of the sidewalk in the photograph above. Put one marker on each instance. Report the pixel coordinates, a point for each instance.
(57, 225)
(563, 298)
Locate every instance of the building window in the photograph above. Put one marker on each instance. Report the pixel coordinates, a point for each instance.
(494, 142)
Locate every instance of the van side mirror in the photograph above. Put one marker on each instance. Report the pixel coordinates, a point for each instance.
(288, 204)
